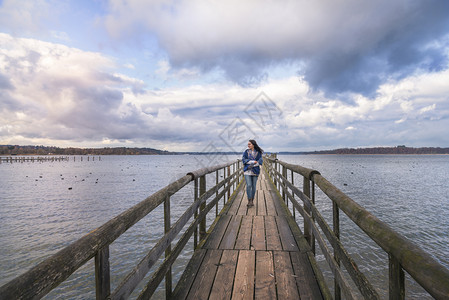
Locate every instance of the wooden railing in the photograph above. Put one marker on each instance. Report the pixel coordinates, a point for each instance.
(41, 279)
(402, 253)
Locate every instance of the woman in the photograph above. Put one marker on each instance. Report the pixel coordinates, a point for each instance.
(252, 160)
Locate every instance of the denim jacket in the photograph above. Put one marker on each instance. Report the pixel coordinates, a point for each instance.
(248, 157)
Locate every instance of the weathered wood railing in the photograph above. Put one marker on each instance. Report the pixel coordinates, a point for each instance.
(47, 275)
(402, 253)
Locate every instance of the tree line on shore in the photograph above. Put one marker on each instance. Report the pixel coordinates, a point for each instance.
(49, 150)
(386, 150)
(46, 150)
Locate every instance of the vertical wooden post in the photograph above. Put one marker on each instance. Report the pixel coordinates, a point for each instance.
(307, 227)
(224, 177)
(284, 185)
(102, 274)
(312, 237)
(195, 232)
(336, 225)
(229, 189)
(274, 174)
(396, 279)
(238, 174)
(216, 193)
(233, 173)
(167, 225)
(202, 207)
(293, 195)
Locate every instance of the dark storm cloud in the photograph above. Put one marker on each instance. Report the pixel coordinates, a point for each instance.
(410, 45)
(342, 46)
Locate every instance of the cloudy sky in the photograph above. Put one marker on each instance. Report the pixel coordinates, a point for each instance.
(204, 75)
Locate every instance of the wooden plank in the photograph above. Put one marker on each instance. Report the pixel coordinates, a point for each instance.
(276, 201)
(214, 239)
(243, 206)
(263, 182)
(188, 276)
(265, 284)
(222, 286)
(237, 201)
(230, 235)
(271, 209)
(244, 236)
(204, 279)
(272, 234)
(260, 203)
(285, 278)
(286, 235)
(244, 276)
(305, 277)
(258, 234)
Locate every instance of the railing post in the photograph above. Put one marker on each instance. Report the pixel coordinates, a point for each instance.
(168, 277)
(313, 218)
(234, 185)
(307, 227)
(336, 224)
(396, 279)
(202, 207)
(284, 186)
(216, 193)
(102, 274)
(229, 189)
(195, 232)
(274, 174)
(293, 195)
(238, 173)
(224, 195)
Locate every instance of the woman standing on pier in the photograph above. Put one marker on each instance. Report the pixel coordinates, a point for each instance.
(252, 160)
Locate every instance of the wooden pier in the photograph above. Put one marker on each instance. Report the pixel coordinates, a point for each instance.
(38, 159)
(246, 253)
(252, 253)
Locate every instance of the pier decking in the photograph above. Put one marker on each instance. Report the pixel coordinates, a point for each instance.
(251, 253)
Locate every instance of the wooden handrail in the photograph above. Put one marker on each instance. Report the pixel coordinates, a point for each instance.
(41, 279)
(403, 254)
(430, 274)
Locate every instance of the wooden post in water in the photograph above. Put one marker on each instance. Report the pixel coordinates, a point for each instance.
(167, 225)
(102, 274)
(202, 207)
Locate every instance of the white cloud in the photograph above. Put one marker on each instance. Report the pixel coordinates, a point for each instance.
(26, 16)
(53, 94)
(427, 108)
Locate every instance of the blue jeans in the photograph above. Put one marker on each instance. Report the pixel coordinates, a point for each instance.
(251, 181)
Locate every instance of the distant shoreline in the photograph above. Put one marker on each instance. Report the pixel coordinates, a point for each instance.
(15, 150)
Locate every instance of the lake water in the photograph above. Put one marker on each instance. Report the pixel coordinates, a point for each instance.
(46, 206)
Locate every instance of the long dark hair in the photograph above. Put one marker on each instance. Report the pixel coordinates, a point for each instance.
(258, 149)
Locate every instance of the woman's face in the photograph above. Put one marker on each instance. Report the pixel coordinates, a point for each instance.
(250, 146)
